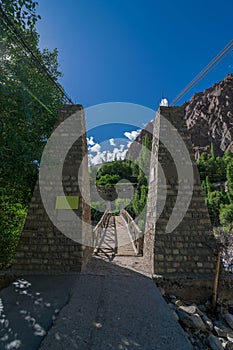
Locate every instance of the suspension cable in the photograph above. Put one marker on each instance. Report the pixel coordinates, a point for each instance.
(213, 64)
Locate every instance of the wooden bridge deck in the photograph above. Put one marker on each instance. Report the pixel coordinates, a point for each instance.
(116, 239)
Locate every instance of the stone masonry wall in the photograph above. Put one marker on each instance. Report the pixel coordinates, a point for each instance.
(42, 247)
(190, 248)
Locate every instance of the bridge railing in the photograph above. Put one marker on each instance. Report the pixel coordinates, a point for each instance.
(134, 231)
(100, 229)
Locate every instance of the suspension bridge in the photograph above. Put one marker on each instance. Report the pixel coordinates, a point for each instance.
(65, 306)
(117, 235)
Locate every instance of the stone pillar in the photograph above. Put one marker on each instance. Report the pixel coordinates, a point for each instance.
(42, 247)
(190, 247)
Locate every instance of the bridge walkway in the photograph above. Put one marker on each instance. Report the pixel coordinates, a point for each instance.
(115, 239)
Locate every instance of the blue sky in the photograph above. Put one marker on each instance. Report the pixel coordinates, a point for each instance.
(135, 50)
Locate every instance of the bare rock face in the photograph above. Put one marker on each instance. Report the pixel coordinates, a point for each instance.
(209, 118)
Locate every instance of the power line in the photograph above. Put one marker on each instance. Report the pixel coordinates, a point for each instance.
(213, 64)
(10, 25)
(37, 99)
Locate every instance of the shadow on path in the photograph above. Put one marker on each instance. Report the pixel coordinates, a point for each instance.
(28, 308)
(103, 308)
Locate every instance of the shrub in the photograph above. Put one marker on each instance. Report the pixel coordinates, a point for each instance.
(226, 215)
(12, 217)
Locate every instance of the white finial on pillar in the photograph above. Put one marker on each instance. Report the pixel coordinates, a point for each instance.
(164, 102)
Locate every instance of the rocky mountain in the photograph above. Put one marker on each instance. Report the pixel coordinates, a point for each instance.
(209, 118)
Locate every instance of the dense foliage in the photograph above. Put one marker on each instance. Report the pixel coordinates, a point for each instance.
(28, 105)
(12, 216)
(141, 169)
(217, 182)
(114, 174)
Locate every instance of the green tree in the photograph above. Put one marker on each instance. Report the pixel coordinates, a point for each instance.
(22, 12)
(119, 168)
(217, 170)
(204, 188)
(108, 180)
(229, 175)
(12, 216)
(97, 210)
(214, 201)
(29, 102)
(226, 215)
(143, 159)
(212, 155)
(227, 157)
(212, 167)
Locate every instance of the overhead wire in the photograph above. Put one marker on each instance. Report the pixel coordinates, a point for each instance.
(213, 64)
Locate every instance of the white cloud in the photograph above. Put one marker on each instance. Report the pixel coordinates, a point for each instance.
(122, 154)
(110, 149)
(132, 135)
(112, 142)
(107, 156)
(90, 141)
(95, 160)
(96, 148)
(118, 153)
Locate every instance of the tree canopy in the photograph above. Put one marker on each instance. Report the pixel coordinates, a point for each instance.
(217, 182)
(29, 101)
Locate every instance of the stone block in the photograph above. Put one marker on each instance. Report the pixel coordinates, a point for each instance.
(189, 243)
(42, 247)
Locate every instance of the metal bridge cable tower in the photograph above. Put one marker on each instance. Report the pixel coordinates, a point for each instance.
(10, 25)
(213, 64)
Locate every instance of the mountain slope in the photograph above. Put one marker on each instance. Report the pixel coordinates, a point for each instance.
(209, 118)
